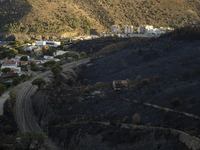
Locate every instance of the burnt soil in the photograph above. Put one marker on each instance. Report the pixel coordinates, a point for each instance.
(71, 112)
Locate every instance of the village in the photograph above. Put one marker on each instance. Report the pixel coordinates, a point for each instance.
(33, 57)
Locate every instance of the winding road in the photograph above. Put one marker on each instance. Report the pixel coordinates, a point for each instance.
(23, 112)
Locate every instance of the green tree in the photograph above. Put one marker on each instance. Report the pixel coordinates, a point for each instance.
(5, 70)
(34, 139)
(49, 63)
(83, 54)
(56, 69)
(39, 82)
(15, 81)
(24, 58)
(59, 56)
(4, 47)
(23, 76)
(13, 52)
(75, 56)
(50, 51)
(2, 89)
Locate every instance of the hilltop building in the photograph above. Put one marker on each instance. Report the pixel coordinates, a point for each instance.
(145, 29)
(48, 43)
(115, 29)
(128, 29)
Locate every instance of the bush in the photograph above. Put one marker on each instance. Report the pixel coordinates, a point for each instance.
(175, 102)
(70, 81)
(99, 128)
(136, 118)
(114, 114)
(133, 134)
(167, 114)
(156, 78)
(15, 81)
(158, 145)
(49, 63)
(100, 86)
(7, 129)
(146, 81)
(59, 56)
(193, 133)
(83, 54)
(161, 109)
(125, 119)
(149, 124)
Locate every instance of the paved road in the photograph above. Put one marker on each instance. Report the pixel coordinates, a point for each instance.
(3, 99)
(23, 113)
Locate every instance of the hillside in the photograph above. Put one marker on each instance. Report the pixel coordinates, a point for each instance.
(76, 17)
(162, 96)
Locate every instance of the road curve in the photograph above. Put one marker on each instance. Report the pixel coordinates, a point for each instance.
(22, 111)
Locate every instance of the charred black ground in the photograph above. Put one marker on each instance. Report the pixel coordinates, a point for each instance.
(74, 114)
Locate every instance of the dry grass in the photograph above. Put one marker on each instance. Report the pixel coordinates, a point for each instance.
(57, 16)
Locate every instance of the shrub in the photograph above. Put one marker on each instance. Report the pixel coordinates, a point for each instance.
(175, 102)
(59, 56)
(83, 54)
(156, 78)
(158, 145)
(161, 109)
(136, 118)
(7, 129)
(146, 81)
(133, 134)
(125, 119)
(193, 133)
(89, 121)
(100, 86)
(99, 127)
(70, 81)
(114, 114)
(149, 124)
(49, 63)
(87, 91)
(15, 81)
(167, 114)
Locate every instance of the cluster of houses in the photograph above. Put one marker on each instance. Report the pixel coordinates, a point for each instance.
(38, 48)
(128, 29)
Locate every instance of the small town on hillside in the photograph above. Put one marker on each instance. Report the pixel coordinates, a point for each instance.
(37, 53)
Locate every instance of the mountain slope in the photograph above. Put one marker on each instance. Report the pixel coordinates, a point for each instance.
(86, 16)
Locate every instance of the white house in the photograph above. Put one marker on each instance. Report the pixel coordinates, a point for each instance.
(156, 31)
(45, 60)
(115, 29)
(35, 61)
(48, 43)
(18, 56)
(30, 48)
(59, 52)
(128, 29)
(48, 57)
(12, 65)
